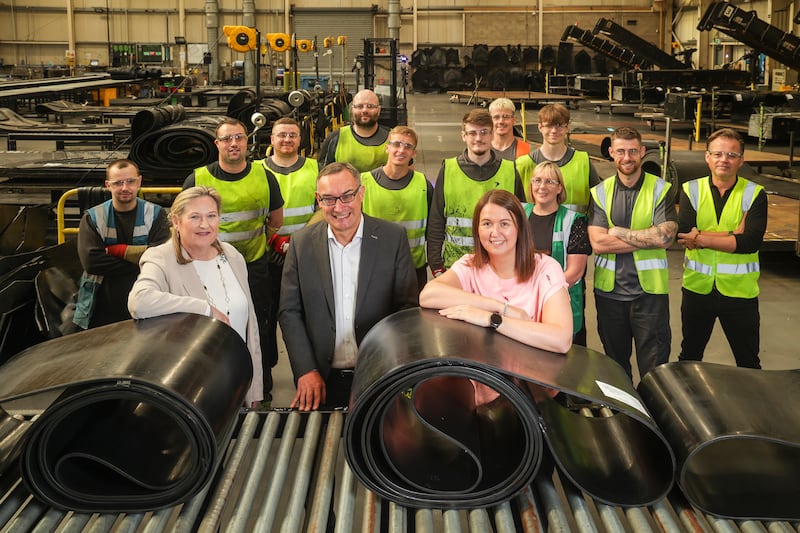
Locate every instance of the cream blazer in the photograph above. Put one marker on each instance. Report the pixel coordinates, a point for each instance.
(164, 287)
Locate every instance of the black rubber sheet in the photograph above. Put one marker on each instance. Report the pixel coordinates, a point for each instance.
(416, 435)
(736, 435)
(145, 412)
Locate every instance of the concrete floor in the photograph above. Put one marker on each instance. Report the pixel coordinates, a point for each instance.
(438, 121)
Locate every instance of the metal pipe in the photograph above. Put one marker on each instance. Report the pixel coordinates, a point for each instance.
(248, 19)
(76, 523)
(323, 493)
(556, 517)
(183, 49)
(295, 508)
(504, 518)
(347, 500)
(29, 514)
(610, 518)
(244, 504)
(638, 520)
(212, 516)
(664, 518)
(102, 523)
(212, 31)
(190, 511)
(452, 524)
(158, 521)
(266, 514)
(397, 518)
(393, 23)
(580, 511)
(529, 515)
(50, 521)
(129, 523)
(423, 520)
(371, 521)
(479, 520)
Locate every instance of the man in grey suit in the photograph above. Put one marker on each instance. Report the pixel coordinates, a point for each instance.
(339, 279)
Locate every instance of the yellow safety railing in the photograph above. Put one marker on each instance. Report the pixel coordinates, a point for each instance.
(63, 231)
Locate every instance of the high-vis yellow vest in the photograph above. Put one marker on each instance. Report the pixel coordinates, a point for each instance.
(407, 207)
(735, 275)
(364, 158)
(575, 175)
(298, 189)
(245, 208)
(461, 194)
(651, 264)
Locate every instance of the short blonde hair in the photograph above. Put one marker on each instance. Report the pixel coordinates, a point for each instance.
(550, 170)
(179, 206)
(502, 103)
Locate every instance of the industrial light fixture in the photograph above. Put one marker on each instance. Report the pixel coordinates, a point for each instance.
(180, 39)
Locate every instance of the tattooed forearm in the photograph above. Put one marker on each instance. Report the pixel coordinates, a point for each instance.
(660, 236)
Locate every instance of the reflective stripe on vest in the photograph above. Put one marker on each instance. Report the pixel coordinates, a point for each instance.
(461, 193)
(651, 264)
(734, 275)
(407, 207)
(245, 207)
(298, 189)
(562, 229)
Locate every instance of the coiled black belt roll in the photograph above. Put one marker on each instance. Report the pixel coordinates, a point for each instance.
(146, 412)
(736, 433)
(417, 435)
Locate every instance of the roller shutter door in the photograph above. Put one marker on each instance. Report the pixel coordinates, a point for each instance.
(356, 24)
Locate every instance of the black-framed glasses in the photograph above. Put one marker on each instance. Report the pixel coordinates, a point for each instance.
(558, 126)
(287, 135)
(368, 106)
(231, 138)
(346, 198)
(719, 154)
(400, 144)
(116, 184)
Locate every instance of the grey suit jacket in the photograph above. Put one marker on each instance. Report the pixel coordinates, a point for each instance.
(164, 287)
(387, 283)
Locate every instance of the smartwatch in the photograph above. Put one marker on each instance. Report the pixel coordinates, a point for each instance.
(495, 320)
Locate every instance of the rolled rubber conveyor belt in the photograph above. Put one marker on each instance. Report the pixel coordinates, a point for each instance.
(736, 435)
(185, 144)
(418, 432)
(146, 412)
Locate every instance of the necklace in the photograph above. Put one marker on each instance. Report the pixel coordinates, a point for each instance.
(220, 259)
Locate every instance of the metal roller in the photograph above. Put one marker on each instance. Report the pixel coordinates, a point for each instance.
(736, 434)
(146, 411)
(443, 415)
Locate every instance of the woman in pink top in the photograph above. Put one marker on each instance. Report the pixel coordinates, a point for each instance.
(505, 284)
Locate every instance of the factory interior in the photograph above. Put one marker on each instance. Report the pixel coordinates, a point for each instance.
(133, 426)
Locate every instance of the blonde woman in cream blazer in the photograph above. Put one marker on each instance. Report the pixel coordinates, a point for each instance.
(167, 284)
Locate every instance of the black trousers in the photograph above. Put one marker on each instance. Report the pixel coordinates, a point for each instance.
(338, 385)
(259, 280)
(645, 321)
(739, 318)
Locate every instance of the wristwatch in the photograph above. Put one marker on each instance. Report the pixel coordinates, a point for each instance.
(495, 320)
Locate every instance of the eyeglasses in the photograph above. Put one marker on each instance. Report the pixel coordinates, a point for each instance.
(231, 138)
(504, 116)
(477, 133)
(550, 182)
(119, 183)
(287, 135)
(717, 154)
(368, 106)
(631, 152)
(558, 126)
(345, 198)
(399, 144)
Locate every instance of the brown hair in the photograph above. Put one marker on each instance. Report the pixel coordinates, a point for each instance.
(122, 163)
(728, 133)
(626, 133)
(228, 121)
(287, 121)
(554, 114)
(525, 262)
(550, 170)
(340, 166)
(406, 131)
(179, 205)
(478, 117)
